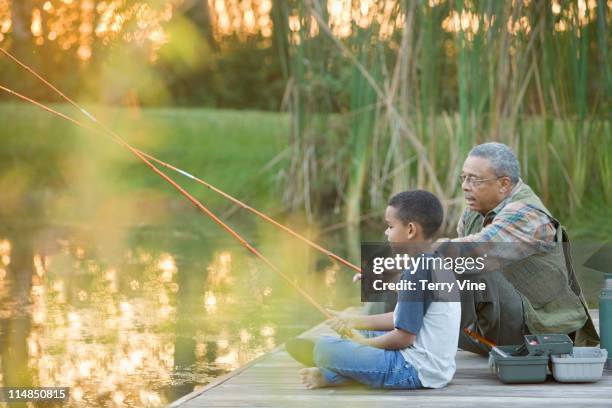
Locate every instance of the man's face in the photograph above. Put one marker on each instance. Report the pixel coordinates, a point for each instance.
(482, 189)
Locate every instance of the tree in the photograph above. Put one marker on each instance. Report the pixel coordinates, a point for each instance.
(199, 13)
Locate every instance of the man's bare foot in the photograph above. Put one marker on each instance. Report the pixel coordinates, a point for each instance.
(312, 378)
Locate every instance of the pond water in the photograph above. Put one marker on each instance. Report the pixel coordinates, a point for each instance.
(112, 284)
(147, 318)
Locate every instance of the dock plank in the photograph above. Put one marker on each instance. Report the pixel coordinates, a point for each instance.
(273, 381)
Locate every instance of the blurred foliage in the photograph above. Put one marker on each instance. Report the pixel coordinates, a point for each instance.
(237, 54)
(151, 53)
(398, 103)
(382, 95)
(241, 76)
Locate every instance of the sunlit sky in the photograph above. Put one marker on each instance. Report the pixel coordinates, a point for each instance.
(74, 25)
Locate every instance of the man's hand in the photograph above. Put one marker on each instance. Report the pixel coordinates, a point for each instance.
(440, 242)
(446, 247)
(356, 277)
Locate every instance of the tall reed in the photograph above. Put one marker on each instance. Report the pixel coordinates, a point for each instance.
(375, 112)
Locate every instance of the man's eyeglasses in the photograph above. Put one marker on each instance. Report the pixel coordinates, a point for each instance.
(473, 181)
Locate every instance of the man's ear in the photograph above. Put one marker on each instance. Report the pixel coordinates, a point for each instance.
(505, 185)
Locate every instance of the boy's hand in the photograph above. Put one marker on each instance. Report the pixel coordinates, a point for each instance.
(341, 323)
(340, 326)
(358, 338)
(345, 329)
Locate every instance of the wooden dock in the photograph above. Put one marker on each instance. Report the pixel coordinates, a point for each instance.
(273, 381)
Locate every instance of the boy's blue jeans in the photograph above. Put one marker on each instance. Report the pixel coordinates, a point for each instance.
(341, 360)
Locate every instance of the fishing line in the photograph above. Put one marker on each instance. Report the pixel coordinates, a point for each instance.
(199, 205)
(183, 172)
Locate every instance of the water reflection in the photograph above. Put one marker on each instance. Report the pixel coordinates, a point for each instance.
(143, 328)
(186, 326)
(133, 306)
(15, 323)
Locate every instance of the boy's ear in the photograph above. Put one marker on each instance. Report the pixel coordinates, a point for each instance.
(411, 230)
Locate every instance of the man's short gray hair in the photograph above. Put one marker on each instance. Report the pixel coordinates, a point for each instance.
(502, 158)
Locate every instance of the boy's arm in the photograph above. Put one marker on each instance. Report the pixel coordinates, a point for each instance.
(373, 322)
(366, 322)
(406, 320)
(394, 340)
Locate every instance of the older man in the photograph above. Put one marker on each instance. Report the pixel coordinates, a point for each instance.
(536, 290)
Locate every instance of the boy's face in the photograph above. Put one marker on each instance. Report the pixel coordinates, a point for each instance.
(396, 231)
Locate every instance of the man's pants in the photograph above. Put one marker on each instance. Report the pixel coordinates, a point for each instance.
(495, 313)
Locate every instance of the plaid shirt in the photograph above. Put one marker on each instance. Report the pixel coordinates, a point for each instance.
(512, 222)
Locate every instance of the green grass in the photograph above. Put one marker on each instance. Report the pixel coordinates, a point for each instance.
(75, 175)
(81, 170)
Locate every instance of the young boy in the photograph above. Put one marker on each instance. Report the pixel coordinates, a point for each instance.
(412, 347)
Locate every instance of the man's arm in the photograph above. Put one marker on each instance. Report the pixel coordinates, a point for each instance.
(515, 223)
(527, 228)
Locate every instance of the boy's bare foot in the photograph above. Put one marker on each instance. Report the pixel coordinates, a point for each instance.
(312, 378)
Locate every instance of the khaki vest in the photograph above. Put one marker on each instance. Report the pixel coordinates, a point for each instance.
(552, 298)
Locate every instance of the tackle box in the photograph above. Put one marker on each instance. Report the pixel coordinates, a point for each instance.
(519, 367)
(584, 364)
(552, 343)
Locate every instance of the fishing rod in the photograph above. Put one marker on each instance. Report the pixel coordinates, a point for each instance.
(483, 340)
(184, 173)
(257, 212)
(193, 200)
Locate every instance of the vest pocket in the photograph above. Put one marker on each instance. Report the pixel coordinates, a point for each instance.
(538, 279)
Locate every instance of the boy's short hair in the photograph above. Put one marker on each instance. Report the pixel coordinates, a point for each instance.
(419, 206)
